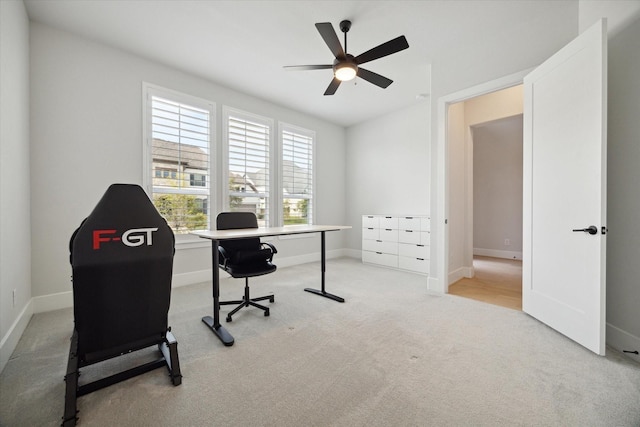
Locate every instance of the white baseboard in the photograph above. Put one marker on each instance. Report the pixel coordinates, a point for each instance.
(622, 340)
(460, 273)
(497, 254)
(57, 301)
(191, 278)
(52, 302)
(436, 285)
(10, 340)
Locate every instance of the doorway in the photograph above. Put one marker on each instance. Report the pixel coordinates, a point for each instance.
(485, 193)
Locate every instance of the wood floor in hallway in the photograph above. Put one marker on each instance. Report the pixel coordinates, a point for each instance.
(497, 281)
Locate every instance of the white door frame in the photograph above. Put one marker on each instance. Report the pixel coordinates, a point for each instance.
(442, 198)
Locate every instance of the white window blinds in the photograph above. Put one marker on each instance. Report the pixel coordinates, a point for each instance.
(297, 176)
(180, 162)
(249, 165)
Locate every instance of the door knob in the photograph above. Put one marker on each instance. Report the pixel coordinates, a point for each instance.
(591, 229)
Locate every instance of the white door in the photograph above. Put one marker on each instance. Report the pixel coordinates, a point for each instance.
(565, 190)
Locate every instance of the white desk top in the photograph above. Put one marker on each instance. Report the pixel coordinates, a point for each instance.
(266, 231)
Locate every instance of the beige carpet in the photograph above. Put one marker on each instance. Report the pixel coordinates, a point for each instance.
(391, 355)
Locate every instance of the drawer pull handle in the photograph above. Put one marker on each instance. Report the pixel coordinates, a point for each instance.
(379, 241)
(420, 259)
(408, 231)
(387, 229)
(420, 246)
(379, 253)
(388, 217)
(369, 228)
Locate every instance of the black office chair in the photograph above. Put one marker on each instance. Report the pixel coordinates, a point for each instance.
(122, 262)
(244, 258)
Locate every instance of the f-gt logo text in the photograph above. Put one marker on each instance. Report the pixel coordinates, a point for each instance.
(132, 238)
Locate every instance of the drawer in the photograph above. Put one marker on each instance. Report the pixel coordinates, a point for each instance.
(414, 251)
(414, 264)
(409, 223)
(388, 235)
(370, 234)
(380, 246)
(389, 222)
(425, 224)
(408, 236)
(380, 259)
(425, 238)
(370, 221)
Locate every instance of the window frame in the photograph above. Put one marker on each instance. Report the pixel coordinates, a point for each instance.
(148, 91)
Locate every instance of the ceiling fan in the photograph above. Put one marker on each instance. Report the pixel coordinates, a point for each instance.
(345, 66)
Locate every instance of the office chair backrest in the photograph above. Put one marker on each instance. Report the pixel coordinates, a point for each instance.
(235, 220)
(122, 261)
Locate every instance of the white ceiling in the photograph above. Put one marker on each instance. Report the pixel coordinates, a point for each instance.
(244, 45)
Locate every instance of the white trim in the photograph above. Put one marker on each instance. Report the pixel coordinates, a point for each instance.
(11, 338)
(442, 190)
(623, 340)
(497, 253)
(51, 302)
(191, 278)
(460, 273)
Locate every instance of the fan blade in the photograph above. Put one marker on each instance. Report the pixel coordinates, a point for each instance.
(392, 46)
(333, 86)
(330, 38)
(307, 67)
(374, 78)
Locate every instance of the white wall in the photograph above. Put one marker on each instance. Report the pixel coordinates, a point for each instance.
(623, 196)
(86, 133)
(15, 243)
(497, 188)
(388, 167)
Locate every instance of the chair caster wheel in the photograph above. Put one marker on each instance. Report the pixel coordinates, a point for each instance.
(272, 299)
(266, 313)
(229, 319)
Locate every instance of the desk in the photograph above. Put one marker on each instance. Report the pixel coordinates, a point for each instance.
(216, 235)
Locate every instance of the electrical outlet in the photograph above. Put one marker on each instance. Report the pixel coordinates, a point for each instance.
(507, 242)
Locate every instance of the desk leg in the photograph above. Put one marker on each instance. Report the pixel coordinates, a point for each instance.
(214, 322)
(323, 267)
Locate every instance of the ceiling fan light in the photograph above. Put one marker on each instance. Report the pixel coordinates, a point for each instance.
(346, 71)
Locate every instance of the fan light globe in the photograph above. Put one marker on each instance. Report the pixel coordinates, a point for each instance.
(345, 72)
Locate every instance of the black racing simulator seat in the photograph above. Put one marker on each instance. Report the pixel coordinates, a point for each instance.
(122, 262)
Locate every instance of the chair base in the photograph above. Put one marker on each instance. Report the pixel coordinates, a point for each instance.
(247, 301)
(168, 348)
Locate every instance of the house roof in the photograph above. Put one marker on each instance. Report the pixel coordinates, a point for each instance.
(191, 156)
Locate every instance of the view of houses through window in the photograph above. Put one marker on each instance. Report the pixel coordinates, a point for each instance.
(248, 146)
(272, 179)
(180, 164)
(297, 175)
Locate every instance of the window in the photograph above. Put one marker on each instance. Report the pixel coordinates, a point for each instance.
(297, 174)
(248, 163)
(177, 152)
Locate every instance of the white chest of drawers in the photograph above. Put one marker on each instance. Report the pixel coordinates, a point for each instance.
(397, 241)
